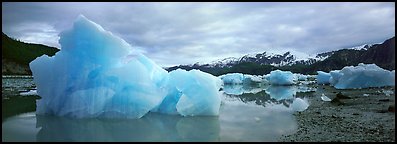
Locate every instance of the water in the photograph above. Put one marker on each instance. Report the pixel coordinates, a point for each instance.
(247, 113)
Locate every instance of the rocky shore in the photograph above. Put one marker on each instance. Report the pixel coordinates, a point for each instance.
(361, 115)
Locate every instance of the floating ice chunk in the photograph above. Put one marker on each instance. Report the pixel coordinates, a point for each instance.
(232, 78)
(239, 78)
(252, 78)
(303, 88)
(363, 76)
(335, 76)
(278, 77)
(266, 78)
(195, 93)
(299, 104)
(30, 92)
(325, 98)
(300, 77)
(97, 74)
(323, 77)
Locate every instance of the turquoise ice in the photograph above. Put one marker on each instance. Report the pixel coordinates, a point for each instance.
(97, 74)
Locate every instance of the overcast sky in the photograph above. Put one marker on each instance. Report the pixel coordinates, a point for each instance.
(185, 33)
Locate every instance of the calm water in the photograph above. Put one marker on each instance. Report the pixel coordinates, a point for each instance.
(247, 113)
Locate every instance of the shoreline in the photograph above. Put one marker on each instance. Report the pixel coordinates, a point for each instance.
(365, 117)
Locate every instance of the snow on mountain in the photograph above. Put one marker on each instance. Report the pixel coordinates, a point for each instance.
(277, 60)
(361, 47)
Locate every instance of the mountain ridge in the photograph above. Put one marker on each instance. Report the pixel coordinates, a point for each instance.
(381, 54)
(16, 55)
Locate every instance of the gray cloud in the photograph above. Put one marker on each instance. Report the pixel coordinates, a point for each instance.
(185, 33)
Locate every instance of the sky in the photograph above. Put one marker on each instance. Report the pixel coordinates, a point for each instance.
(188, 32)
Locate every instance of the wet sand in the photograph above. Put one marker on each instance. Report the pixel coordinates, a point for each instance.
(358, 119)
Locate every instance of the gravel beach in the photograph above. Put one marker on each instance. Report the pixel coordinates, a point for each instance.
(360, 115)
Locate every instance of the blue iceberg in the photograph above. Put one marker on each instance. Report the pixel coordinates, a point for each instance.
(232, 78)
(97, 74)
(278, 77)
(239, 78)
(362, 76)
(323, 77)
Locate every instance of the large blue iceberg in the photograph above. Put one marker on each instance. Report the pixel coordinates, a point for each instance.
(323, 77)
(362, 76)
(96, 74)
(278, 77)
(239, 78)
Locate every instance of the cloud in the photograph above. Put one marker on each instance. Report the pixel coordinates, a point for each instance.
(186, 33)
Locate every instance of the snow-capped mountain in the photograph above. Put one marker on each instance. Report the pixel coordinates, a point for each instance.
(381, 54)
(275, 59)
(362, 47)
(266, 59)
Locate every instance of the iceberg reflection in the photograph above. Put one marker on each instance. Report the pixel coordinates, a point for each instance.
(271, 96)
(238, 89)
(151, 127)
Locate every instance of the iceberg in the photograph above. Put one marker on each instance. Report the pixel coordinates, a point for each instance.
(239, 78)
(362, 76)
(325, 98)
(300, 77)
(323, 77)
(278, 77)
(30, 92)
(252, 78)
(299, 104)
(96, 74)
(335, 76)
(232, 78)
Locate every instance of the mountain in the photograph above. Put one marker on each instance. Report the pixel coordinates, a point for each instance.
(259, 64)
(16, 55)
(267, 59)
(382, 55)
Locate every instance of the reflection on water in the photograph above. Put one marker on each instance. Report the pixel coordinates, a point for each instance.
(238, 121)
(281, 92)
(250, 122)
(151, 127)
(238, 89)
(268, 94)
(261, 113)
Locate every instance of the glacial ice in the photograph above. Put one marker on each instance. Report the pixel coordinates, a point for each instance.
(96, 74)
(323, 77)
(300, 77)
(362, 76)
(30, 92)
(299, 104)
(325, 98)
(232, 78)
(192, 93)
(239, 78)
(335, 76)
(278, 77)
(252, 78)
